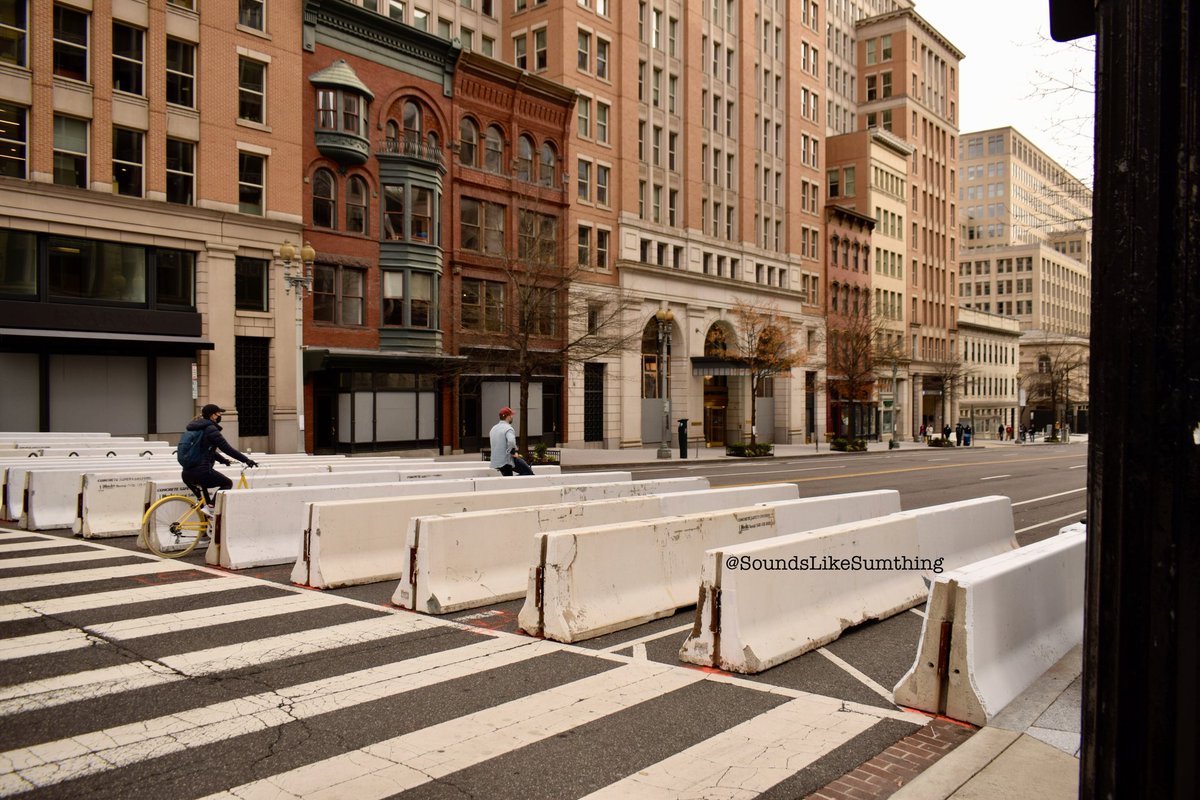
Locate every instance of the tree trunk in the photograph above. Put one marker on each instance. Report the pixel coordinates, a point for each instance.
(753, 410)
(523, 437)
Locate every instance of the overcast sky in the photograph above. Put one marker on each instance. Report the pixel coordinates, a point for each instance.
(1014, 74)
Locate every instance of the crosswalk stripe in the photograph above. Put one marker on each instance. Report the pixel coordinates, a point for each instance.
(425, 755)
(89, 754)
(195, 619)
(6, 547)
(147, 567)
(140, 594)
(197, 663)
(746, 759)
(62, 558)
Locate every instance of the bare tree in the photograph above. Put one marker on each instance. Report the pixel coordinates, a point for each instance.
(952, 372)
(548, 315)
(766, 343)
(1059, 372)
(856, 345)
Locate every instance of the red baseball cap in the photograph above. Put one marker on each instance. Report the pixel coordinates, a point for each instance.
(506, 412)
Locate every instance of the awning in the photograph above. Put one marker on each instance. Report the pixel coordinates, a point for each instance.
(100, 342)
(323, 358)
(711, 367)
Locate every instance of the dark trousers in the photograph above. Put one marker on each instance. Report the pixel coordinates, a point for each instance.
(518, 467)
(200, 479)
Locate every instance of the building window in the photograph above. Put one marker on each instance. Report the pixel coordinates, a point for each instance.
(602, 237)
(520, 58)
(602, 47)
(885, 84)
(445, 29)
(583, 59)
(181, 73)
(327, 109)
(602, 176)
(602, 110)
(338, 294)
(250, 14)
(250, 284)
(181, 171)
(537, 237)
(481, 226)
(524, 158)
(127, 58)
(543, 317)
(540, 61)
(408, 299)
(324, 210)
(12, 141)
(252, 89)
(127, 162)
(468, 143)
(584, 113)
(393, 212)
(356, 206)
(13, 26)
(70, 43)
(252, 176)
(421, 223)
(70, 152)
(548, 166)
(252, 384)
(493, 150)
(585, 180)
(584, 246)
(482, 305)
(848, 187)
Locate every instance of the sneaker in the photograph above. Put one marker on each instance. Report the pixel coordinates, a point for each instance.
(208, 511)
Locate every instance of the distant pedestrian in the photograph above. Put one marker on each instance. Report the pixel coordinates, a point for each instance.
(1008, 432)
(946, 431)
(504, 447)
(958, 434)
(922, 432)
(1022, 434)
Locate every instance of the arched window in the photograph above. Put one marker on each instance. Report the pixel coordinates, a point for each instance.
(845, 298)
(411, 120)
(432, 147)
(493, 150)
(833, 251)
(548, 165)
(468, 143)
(356, 205)
(324, 209)
(856, 256)
(524, 159)
(392, 133)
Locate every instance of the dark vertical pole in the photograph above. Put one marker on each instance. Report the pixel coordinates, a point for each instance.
(43, 391)
(1143, 579)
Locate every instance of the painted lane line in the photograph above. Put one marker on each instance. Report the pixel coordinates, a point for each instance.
(101, 751)
(639, 652)
(745, 760)
(865, 680)
(995, 477)
(148, 567)
(87, 685)
(64, 558)
(1050, 496)
(146, 594)
(429, 754)
(1078, 466)
(19, 546)
(648, 638)
(771, 472)
(938, 459)
(1074, 516)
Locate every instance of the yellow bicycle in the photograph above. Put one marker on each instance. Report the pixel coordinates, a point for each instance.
(175, 525)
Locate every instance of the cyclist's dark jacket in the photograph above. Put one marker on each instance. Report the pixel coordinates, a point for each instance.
(211, 441)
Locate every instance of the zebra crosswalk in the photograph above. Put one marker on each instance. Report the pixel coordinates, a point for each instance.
(123, 675)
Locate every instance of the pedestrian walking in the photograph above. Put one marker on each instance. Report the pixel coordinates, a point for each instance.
(504, 447)
(958, 434)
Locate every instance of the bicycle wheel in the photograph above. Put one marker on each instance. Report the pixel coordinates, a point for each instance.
(173, 526)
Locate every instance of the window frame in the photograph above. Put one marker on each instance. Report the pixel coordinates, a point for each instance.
(81, 180)
(244, 159)
(326, 216)
(60, 44)
(489, 305)
(19, 36)
(121, 59)
(338, 295)
(136, 169)
(184, 82)
(246, 93)
(180, 173)
(8, 143)
(251, 12)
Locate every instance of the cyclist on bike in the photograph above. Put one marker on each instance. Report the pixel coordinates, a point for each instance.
(202, 477)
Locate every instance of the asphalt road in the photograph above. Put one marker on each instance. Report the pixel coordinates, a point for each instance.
(186, 693)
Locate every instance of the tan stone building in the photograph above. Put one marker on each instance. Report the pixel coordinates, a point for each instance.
(988, 391)
(141, 203)
(908, 86)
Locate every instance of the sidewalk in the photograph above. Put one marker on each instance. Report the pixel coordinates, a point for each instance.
(1031, 748)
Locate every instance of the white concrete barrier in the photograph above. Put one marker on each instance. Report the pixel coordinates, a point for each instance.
(458, 561)
(593, 581)
(1010, 618)
(91, 449)
(769, 601)
(12, 499)
(113, 502)
(43, 495)
(365, 542)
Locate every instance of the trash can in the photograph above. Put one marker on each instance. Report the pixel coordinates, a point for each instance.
(683, 424)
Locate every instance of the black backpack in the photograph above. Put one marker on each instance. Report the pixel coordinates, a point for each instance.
(190, 451)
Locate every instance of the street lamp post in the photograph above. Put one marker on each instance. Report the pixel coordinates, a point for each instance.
(297, 272)
(664, 317)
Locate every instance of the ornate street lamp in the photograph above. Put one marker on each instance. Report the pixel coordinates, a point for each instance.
(298, 275)
(664, 317)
